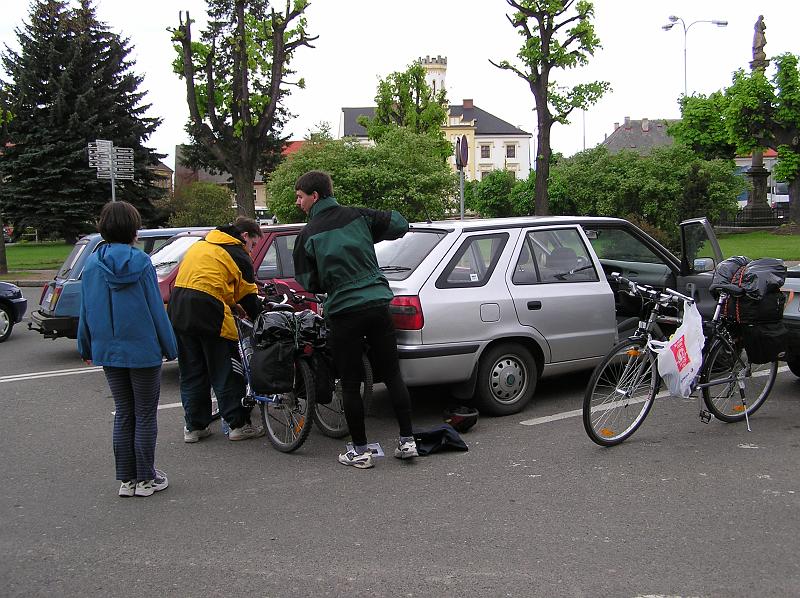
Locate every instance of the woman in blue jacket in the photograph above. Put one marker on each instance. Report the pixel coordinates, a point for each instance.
(124, 328)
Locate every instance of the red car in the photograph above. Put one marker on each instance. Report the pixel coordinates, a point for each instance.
(272, 257)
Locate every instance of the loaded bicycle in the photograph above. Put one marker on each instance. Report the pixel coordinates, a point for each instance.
(625, 383)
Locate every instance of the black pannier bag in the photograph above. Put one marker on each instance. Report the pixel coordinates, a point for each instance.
(323, 378)
(272, 363)
(764, 342)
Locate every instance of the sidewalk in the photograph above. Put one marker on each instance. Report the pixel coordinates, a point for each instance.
(30, 278)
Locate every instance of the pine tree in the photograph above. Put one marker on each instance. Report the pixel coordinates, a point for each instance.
(71, 83)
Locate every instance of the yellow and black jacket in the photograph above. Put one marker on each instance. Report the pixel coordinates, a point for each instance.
(215, 274)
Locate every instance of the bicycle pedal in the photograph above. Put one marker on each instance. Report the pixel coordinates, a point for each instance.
(705, 416)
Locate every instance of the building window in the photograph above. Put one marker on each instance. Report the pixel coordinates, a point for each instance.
(486, 151)
(511, 151)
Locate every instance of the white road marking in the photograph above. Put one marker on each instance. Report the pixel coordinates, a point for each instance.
(50, 374)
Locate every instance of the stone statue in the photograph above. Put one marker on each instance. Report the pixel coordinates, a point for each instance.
(759, 41)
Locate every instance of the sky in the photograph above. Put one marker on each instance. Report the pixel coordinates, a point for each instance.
(361, 41)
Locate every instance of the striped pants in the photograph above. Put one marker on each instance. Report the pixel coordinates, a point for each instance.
(135, 392)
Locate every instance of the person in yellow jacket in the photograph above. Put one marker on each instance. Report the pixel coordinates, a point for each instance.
(215, 279)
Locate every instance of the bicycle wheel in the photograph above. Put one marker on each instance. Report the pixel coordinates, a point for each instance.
(288, 420)
(620, 392)
(724, 400)
(330, 418)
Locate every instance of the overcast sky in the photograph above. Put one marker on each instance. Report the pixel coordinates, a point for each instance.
(362, 40)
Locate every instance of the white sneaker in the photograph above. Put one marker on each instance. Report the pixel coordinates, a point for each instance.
(127, 488)
(157, 484)
(195, 435)
(246, 432)
(406, 450)
(361, 461)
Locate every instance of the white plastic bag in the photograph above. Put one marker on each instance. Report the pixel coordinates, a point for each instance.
(680, 358)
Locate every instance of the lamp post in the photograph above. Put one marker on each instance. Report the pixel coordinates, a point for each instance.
(672, 20)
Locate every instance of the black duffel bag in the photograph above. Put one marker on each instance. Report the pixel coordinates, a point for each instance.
(764, 342)
(751, 311)
(272, 367)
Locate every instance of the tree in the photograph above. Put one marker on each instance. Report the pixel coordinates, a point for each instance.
(702, 126)
(404, 99)
(5, 119)
(659, 190)
(764, 113)
(71, 82)
(202, 204)
(237, 77)
(558, 34)
(404, 172)
(492, 195)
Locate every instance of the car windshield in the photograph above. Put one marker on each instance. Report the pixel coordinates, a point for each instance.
(72, 259)
(400, 257)
(166, 259)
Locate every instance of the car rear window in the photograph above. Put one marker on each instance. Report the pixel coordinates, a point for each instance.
(167, 258)
(398, 258)
(72, 259)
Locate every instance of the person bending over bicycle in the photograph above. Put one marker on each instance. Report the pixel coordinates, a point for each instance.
(216, 277)
(335, 254)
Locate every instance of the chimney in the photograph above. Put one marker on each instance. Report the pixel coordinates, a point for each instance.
(616, 126)
(467, 104)
(627, 122)
(645, 124)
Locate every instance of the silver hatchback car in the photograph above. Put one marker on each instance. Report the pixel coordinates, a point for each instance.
(490, 306)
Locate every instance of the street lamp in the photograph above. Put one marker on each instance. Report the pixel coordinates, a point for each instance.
(672, 20)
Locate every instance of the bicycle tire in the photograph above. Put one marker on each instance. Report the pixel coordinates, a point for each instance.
(330, 418)
(724, 400)
(607, 418)
(288, 420)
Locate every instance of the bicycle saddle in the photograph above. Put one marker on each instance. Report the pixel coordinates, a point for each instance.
(726, 287)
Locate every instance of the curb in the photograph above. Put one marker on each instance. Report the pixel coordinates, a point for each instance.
(28, 283)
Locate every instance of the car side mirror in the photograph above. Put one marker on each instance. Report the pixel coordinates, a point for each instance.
(703, 264)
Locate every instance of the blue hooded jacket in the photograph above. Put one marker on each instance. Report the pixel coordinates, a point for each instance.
(123, 322)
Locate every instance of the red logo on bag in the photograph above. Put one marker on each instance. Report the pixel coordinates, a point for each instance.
(681, 354)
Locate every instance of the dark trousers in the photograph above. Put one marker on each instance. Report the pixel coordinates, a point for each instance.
(347, 332)
(207, 362)
(135, 392)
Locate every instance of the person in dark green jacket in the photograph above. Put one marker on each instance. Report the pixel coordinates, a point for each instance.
(335, 254)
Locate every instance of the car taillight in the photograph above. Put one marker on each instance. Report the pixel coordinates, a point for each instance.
(406, 312)
(44, 290)
(56, 295)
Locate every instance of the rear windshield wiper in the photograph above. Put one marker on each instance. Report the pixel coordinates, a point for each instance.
(394, 268)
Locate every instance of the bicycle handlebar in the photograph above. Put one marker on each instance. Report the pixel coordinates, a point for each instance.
(666, 296)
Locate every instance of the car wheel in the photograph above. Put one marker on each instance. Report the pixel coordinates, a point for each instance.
(793, 361)
(6, 323)
(507, 377)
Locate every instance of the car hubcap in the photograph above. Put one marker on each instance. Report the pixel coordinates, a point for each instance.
(507, 380)
(5, 323)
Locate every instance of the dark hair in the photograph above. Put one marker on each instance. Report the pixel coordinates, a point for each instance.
(315, 180)
(247, 225)
(119, 222)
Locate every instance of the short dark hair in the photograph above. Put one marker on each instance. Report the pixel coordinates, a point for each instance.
(119, 222)
(248, 225)
(315, 180)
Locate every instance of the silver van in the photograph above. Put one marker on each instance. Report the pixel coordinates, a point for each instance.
(490, 306)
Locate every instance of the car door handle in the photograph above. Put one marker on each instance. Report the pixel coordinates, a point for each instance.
(532, 305)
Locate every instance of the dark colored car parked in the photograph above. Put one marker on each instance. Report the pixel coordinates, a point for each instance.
(12, 308)
(60, 301)
(272, 257)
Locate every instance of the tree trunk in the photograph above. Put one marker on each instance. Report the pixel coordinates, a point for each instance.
(3, 260)
(794, 200)
(245, 198)
(543, 153)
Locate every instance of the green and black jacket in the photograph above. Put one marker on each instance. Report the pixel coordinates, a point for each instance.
(335, 254)
(216, 274)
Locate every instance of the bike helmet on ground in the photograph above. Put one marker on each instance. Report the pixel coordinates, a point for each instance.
(462, 418)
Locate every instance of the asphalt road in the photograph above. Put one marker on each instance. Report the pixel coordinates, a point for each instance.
(533, 509)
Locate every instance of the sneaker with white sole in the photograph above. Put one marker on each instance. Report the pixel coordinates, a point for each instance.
(157, 484)
(246, 432)
(127, 488)
(359, 460)
(195, 435)
(406, 450)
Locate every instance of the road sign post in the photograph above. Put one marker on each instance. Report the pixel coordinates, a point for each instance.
(462, 158)
(114, 163)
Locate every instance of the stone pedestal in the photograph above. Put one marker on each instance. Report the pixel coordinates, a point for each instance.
(757, 206)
